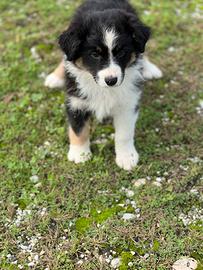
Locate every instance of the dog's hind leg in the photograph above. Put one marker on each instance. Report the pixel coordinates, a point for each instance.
(56, 79)
(150, 71)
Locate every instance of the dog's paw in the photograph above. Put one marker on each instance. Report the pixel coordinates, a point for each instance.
(127, 160)
(151, 71)
(53, 81)
(79, 154)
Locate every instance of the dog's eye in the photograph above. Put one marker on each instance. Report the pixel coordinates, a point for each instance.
(95, 55)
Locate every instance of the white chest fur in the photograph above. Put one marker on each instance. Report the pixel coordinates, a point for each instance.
(103, 101)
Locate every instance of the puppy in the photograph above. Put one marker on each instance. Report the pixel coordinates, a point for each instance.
(104, 73)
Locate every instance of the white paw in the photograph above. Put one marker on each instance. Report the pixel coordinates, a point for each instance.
(127, 160)
(151, 71)
(53, 81)
(79, 154)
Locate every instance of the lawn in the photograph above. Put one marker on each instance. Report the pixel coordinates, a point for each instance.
(57, 215)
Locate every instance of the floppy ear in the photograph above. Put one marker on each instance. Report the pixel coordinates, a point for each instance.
(140, 32)
(71, 40)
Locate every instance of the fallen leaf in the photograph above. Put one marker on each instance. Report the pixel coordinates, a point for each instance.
(185, 264)
(8, 98)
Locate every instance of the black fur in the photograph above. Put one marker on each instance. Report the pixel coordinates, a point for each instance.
(84, 39)
(77, 118)
(72, 88)
(84, 34)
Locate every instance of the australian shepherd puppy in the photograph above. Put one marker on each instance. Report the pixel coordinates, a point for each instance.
(104, 72)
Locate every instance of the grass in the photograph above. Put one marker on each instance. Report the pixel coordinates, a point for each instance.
(69, 216)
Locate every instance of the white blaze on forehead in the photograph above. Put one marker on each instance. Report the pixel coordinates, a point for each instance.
(110, 38)
(113, 70)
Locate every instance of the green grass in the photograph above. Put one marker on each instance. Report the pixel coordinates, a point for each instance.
(84, 204)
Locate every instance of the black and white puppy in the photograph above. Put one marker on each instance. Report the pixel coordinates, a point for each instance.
(104, 69)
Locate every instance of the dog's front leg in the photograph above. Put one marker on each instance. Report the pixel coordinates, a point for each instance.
(126, 154)
(79, 129)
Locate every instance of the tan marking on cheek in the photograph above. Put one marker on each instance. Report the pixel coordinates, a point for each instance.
(60, 71)
(79, 64)
(79, 139)
(132, 59)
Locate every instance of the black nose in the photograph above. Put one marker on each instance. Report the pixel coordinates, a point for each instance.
(111, 81)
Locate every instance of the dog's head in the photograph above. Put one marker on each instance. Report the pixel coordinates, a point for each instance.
(105, 44)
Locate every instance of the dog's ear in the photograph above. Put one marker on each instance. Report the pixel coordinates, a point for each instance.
(140, 32)
(71, 40)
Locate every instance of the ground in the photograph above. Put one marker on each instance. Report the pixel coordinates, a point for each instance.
(57, 215)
